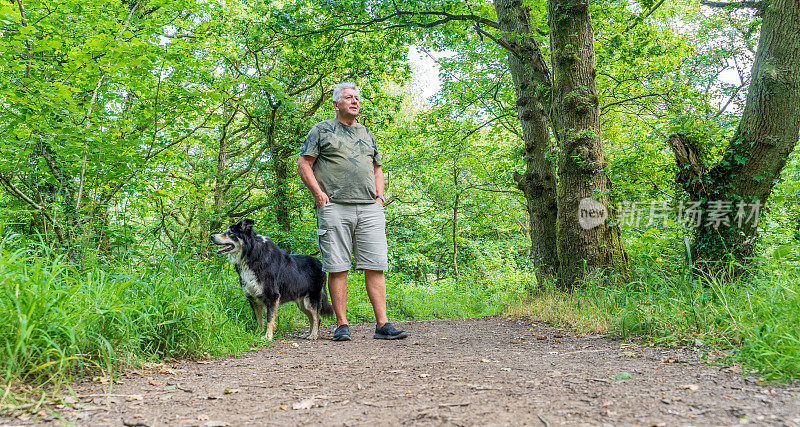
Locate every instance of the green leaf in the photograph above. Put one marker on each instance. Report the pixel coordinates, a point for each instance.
(622, 376)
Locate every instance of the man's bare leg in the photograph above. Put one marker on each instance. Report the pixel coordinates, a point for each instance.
(376, 291)
(337, 285)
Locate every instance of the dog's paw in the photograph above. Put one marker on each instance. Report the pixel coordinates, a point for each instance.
(266, 338)
(311, 337)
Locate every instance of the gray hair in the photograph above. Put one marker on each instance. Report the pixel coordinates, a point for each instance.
(337, 90)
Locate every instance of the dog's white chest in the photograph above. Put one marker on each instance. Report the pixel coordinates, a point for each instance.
(250, 284)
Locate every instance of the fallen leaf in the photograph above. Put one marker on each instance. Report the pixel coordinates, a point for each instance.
(132, 397)
(629, 354)
(692, 387)
(622, 376)
(101, 380)
(283, 407)
(304, 404)
(295, 345)
(230, 390)
(486, 361)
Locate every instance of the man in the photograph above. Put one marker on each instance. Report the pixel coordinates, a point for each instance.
(340, 164)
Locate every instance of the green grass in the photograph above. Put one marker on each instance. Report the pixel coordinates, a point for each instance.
(59, 322)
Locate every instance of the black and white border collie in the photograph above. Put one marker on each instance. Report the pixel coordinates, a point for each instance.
(269, 276)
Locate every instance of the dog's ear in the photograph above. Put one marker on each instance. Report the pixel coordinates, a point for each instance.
(247, 224)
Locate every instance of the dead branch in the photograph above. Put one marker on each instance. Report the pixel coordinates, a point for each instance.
(691, 170)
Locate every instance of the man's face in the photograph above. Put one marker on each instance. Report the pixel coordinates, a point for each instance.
(349, 105)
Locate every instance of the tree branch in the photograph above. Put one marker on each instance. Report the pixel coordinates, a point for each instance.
(24, 22)
(88, 119)
(611, 104)
(23, 197)
(360, 26)
(256, 156)
(642, 18)
(502, 43)
(247, 211)
(744, 4)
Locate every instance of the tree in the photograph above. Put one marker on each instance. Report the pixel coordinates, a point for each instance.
(741, 182)
(576, 118)
(531, 79)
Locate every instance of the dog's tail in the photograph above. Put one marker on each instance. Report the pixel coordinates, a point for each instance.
(326, 309)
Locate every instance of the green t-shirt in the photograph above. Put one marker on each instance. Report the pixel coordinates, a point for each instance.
(345, 157)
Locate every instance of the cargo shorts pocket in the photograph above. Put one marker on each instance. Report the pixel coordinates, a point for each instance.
(334, 246)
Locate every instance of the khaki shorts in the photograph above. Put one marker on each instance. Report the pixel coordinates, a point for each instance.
(345, 229)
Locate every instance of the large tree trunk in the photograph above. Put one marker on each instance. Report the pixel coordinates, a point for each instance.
(586, 244)
(532, 84)
(740, 184)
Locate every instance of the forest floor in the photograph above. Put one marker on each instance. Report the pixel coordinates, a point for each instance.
(492, 371)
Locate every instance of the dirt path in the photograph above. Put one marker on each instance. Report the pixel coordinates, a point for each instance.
(463, 372)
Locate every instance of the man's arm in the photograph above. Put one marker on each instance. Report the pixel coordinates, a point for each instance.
(304, 169)
(379, 182)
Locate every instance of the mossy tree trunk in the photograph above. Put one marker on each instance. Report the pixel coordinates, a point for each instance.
(740, 184)
(584, 247)
(532, 85)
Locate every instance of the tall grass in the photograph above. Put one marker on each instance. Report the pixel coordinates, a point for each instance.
(59, 321)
